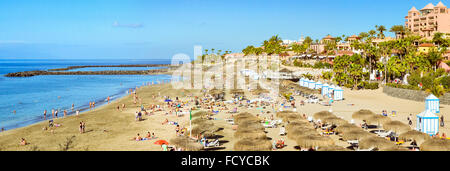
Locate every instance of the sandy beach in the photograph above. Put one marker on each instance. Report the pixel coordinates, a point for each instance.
(109, 129)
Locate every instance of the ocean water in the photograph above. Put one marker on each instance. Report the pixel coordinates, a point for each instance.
(114, 69)
(30, 96)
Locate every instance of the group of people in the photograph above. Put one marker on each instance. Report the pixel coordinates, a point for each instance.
(149, 136)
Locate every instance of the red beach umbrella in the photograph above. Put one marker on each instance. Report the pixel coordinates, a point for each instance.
(161, 142)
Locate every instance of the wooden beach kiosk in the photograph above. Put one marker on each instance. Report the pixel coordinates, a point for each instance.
(432, 103)
(427, 122)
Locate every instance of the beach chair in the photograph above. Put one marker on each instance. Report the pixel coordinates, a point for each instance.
(370, 149)
(230, 121)
(384, 134)
(272, 124)
(213, 144)
(282, 132)
(353, 142)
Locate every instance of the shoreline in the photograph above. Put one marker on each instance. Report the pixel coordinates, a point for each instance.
(82, 108)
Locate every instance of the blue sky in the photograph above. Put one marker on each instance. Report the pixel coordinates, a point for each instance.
(147, 29)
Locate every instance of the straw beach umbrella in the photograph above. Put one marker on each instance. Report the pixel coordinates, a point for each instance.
(346, 127)
(186, 143)
(396, 126)
(251, 125)
(314, 141)
(200, 114)
(251, 134)
(355, 135)
(244, 117)
(334, 120)
(394, 148)
(252, 145)
(332, 148)
(374, 141)
(292, 117)
(298, 132)
(284, 113)
(260, 91)
(299, 123)
(377, 119)
(362, 114)
(435, 144)
(322, 114)
(418, 136)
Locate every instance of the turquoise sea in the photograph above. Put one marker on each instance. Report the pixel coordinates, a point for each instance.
(30, 96)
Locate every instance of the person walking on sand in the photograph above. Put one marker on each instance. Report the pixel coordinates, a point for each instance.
(93, 104)
(107, 99)
(73, 106)
(65, 112)
(77, 112)
(53, 113)
(442, 120)
(45, 114)
(56, 113)
(81, 127)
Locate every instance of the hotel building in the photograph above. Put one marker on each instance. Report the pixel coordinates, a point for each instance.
(429, 20)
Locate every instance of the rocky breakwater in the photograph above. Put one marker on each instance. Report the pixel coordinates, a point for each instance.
(35, 73)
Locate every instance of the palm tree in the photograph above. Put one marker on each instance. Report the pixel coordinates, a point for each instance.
(438, 38)
(380, 30)
(399, 31)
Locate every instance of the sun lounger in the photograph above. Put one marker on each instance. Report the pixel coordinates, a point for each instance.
(370, 149)
(353, 142)
(272, 124)
(230, 121)
(213, 144)
(384, 134)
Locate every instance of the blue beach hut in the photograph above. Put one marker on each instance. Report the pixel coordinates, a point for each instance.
(331, 90)
(302, 80)
(432, 103)
(312, 84)
(338, 93)
(318, 85)
(325, 89)
(427, 122)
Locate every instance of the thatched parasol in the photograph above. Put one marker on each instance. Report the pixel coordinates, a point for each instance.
(206, 129)
(244, 117)
(260, 91)
(298, 123)
(298, 132)
(355, 135)
(394, 148)
(346, 127)
(251, 125)
(362, 114)
(396, 126)
(215, 91)
(377, 119)
(374, 141)
(419, 137)
(309, 141)
(284, 113)
(322, 114)
(251, 134)
(199, 121)
(236, 91)
(252, 145)
(435, 144)
(186, 143)
(292, 117)
(332, 148)
(200, 114)
(334, 120)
